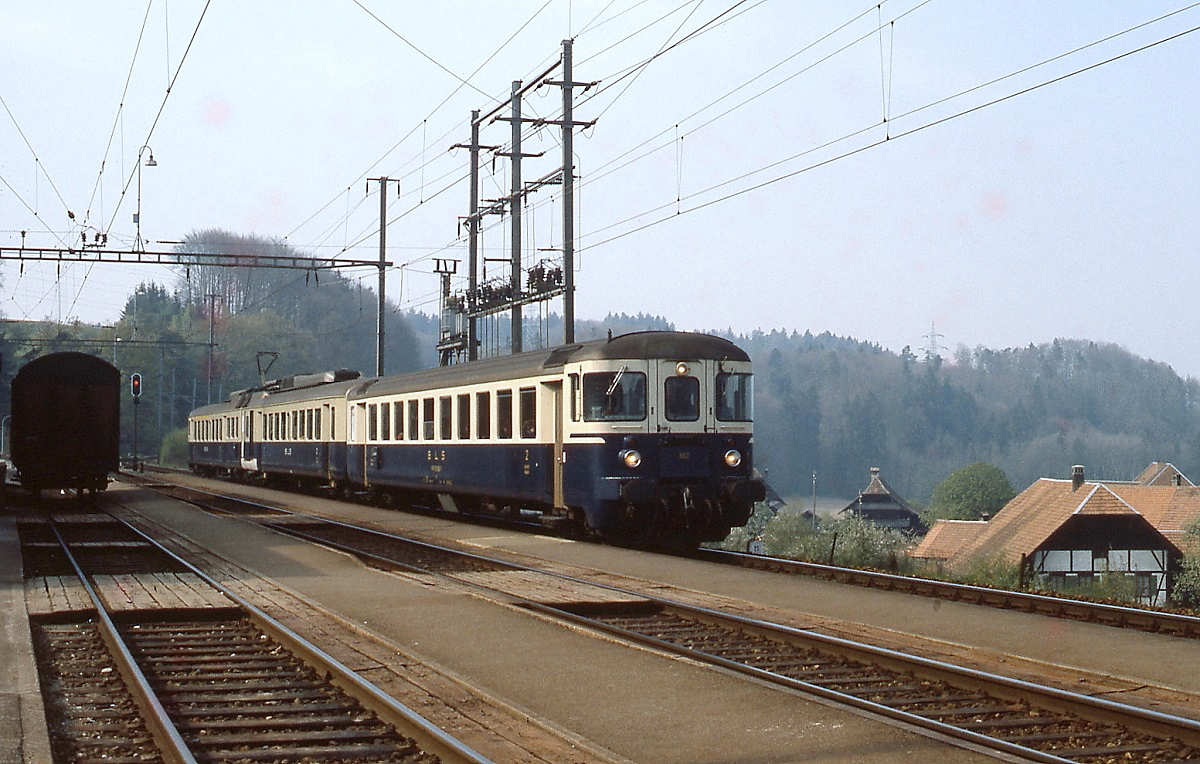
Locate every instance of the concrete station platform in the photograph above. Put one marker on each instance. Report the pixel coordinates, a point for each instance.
(23, 735)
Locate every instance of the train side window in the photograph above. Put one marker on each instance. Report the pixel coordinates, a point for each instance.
(385, 421)
(311, 416)
(414, 419)
(295, 425)
(504, 414)
(317, 424)
(372, 422)
(445, 413)
(682, 399)
(333, 424)
(574, 397)
(614, 396)
(528, 411)
(427, 418)
(483, 415)
(464, 416)
(399, 420)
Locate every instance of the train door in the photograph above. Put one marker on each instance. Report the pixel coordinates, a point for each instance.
(554, 408)
(357, 435)
(683, 396)
(249, 457)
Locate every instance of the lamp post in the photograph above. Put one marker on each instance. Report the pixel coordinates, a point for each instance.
(138, 244)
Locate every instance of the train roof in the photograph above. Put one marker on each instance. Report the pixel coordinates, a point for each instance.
(682, 346)
(68, 367)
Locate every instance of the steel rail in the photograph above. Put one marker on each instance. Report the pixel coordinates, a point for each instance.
(1103, 613)
(429, 736)
(1118, 616)
(170, 742)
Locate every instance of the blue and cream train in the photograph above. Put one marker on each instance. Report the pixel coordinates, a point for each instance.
(645, 436)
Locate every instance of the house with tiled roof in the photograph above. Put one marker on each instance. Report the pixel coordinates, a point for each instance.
(1162, 473)
(879, 504)
(1064, 533)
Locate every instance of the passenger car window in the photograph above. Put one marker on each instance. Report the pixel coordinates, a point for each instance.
(614, 396)
(445, 414)
(528, 412)
(464, 416)
(504, 412)
(483, 415)
(682, 402)
(427, 419)
(735, 397)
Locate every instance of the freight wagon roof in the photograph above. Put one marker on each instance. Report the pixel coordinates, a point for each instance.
(682, 346)
(68, 368)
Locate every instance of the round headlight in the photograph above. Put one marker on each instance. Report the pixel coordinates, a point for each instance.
(632, 458)
(733, 457)
(681, 368)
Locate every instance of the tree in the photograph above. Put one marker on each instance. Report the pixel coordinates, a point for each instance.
(1186, 590)
(970, 493)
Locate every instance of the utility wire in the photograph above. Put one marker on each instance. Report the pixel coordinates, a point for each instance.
(39, 167)
(161, 108)
(413, 130)
(871, 145)
(120, 109)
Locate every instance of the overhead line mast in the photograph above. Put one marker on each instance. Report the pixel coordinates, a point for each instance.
(484, 299)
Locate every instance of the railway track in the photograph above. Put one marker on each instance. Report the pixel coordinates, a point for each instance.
(1020, 718)
(1108, 614)
(1121, 616)
(223, 683)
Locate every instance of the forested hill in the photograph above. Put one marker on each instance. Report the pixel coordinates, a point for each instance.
(838, 406)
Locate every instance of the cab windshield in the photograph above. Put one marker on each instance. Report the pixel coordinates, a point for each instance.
(734, 398)
(614, 396)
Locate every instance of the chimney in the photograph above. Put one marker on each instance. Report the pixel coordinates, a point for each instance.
(1076, 477)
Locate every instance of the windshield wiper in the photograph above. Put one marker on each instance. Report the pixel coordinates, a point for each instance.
(616, 381)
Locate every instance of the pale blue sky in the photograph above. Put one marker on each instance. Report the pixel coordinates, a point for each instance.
(1066, 211)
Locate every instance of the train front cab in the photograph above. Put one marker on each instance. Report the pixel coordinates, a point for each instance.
(661, 448)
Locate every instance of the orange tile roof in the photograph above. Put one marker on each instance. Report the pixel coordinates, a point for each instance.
(946, 537)
(1161, 473)
(1037, 512)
